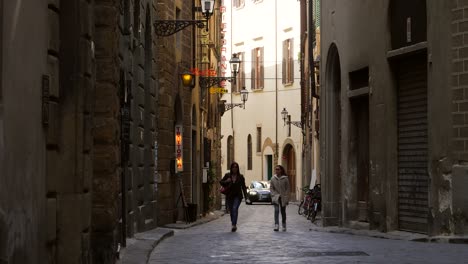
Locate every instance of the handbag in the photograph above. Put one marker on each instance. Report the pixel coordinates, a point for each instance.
(224, 189)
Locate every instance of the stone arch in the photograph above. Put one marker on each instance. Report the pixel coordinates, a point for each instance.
(331, 140)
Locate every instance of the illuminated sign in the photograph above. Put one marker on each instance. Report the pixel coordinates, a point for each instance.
(214, 90)
(178, 148)
(198, 72)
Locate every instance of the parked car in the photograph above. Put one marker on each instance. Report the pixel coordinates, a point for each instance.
(259, 191)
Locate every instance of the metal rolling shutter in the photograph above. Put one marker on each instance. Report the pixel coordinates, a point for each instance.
(413, 180)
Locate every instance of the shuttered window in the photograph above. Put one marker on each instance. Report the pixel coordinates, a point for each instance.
(240, 78)
(257, 76)
(288, 62)
(238, 3)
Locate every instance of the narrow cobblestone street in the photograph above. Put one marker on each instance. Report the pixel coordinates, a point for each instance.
(256, 242)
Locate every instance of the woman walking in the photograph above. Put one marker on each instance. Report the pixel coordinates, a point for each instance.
(279, 189)
(237, 190)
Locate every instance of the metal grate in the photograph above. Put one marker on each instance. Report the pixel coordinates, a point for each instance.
(413, 179)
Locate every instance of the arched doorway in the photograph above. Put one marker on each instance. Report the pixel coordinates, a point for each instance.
(289, 164)
(331, 144)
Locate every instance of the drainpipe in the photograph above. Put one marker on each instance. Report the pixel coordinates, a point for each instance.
(276, 82)
(311, 50)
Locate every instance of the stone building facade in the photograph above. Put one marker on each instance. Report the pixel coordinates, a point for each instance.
(87, 124)
(393, 154)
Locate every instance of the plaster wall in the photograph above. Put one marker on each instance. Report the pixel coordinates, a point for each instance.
(263, 108)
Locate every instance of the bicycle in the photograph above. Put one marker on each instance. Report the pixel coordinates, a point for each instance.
(306, 203)
(316, 197)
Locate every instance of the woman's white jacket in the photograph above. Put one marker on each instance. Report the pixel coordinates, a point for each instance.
(279, 187)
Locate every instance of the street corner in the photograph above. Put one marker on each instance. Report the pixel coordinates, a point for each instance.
(139, 248)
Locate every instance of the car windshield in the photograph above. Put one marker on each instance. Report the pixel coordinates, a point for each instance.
(259, 185)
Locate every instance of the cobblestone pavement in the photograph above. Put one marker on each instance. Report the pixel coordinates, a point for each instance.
(256, 242)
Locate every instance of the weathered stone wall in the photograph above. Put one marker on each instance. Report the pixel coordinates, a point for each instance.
(136, 51)
(106, 162)
(169, 87)
(70, 140)
(22, 137)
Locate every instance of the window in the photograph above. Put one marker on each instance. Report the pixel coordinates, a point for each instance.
(288, 62)
(408, 22)
(230, 152)
(240, 79)
(238, 3)
(136, 20)
(257, 69)
(126, 17)
(259, 139)
(249, 152)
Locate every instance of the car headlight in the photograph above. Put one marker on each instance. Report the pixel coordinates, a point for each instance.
(253, 193)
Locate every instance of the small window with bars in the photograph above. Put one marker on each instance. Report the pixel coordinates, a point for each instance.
(230, 152)
(259, 139)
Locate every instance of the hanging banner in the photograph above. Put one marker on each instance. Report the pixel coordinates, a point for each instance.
(178, 149)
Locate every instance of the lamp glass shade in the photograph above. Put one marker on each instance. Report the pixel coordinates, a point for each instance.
(234, 61)
(244, 94)
(207, 7)
(188, 79)
(284, 113)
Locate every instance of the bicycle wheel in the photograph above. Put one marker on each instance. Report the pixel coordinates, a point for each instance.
(300, 211)
(308, 210)
(313, 213)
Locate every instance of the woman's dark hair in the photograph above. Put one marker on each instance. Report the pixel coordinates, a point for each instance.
(236, 165)
(283, 172)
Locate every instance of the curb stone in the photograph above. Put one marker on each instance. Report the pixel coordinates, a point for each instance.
(396, 235)
(139, 247)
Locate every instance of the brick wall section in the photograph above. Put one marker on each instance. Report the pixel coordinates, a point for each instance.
(460, 79)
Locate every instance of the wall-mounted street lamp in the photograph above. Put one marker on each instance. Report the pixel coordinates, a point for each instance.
(244, 96)
(188, 79)
(223, 106)
(284, 113)
(166, 28)
(209, 81)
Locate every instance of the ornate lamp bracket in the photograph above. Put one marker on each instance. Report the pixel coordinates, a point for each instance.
(230, 106)
(207, 81)
(166, 28)
(296, 123)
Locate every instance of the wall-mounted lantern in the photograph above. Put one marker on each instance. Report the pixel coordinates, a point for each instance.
(284, 114)
(166, 28)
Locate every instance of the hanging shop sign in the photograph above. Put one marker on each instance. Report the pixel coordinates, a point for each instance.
(178, 148)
